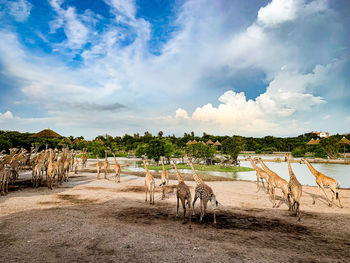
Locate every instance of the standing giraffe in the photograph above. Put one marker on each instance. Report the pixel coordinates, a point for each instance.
(149, 183)
(164, 178)
(183, 193)
(323, 180)
(204, 193)
(76, 164)
(117, 170)
(275, 181)
(106, 165)
(295, 191)
(260, 174)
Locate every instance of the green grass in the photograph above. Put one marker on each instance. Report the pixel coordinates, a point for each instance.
(214, 168)
(92, 156)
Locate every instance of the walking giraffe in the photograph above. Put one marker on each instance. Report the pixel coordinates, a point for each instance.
(323, 180)
(204, 193)
(295, 191)
(117, 170)
(275, 181)
(260, 174)
(150, 184)
(164, 178)
(183, 193)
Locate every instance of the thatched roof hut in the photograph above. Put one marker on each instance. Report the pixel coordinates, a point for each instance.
(217, 143)
(189, 142)
(76, 141)
(47, 133)
(210, 142)
(345, 141)
(313, 142)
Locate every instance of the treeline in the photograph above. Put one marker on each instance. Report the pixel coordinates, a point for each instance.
(160, 145)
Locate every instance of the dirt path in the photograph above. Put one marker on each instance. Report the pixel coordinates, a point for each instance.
(97, 220)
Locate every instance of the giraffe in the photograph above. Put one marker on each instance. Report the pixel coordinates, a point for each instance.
(76, 164)
(84, 158)
(149, 183)
(204, 193)
(98, 166)
(51, 170)
(106, 165)
(275, 181)
(39, 169)
(295, 191)
(183, 193)
(4, 178)
(260, 174)
(117, 169)
(164, 178)
(323, 180)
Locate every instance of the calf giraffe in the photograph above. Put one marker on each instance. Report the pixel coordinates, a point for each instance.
(150, 184)
(260, 174)
(183, 193)
(204, 193)
(275, 181)
(323, 180)
(117, 169)
(164, 178)
(295, 191)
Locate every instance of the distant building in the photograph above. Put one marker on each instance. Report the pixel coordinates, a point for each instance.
(322, 134)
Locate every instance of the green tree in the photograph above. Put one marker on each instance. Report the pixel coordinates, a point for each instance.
(155, 150)
(233, 146)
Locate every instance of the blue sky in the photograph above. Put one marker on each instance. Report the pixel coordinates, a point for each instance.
(253, 68)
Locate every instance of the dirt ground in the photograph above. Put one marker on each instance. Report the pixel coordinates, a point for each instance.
(88, 220)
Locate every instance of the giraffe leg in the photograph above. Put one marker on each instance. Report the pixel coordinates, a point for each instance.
(213, 206)
(194, 201)
(177, 207)
(274, 197)
(201, 205)
(338, 195)
(316, 195)
(257, 182)
(324, 191)
(205, 202)
(184, 208)
(146, 193)
(153, 194)
(284, 198)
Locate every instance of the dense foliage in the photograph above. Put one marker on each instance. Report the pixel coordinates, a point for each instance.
(171, 146)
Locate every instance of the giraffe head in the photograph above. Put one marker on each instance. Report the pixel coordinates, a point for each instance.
(189, 161)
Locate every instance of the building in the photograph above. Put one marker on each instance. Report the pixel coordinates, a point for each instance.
(322, 134)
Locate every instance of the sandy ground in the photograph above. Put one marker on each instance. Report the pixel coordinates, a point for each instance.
(88, 220)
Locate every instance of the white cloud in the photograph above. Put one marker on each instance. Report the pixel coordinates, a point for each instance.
(181, 114)
(20, 10)
(278, 11)
(5, 116)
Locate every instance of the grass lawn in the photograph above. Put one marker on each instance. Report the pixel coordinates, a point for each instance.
(198, 167)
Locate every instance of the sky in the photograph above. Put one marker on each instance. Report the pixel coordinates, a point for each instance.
(224, 67)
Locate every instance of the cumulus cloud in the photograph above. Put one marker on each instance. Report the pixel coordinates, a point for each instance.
(20, 10)
(5, 116)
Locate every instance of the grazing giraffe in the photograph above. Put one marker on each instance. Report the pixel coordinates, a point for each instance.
(323, 180)
(98, 166)
(204, 193)
(106, 165)
(117, 170)
(275, 181)
(164, 178)
(260, 174)
(150, 184)
(295, 191)
(183, 193)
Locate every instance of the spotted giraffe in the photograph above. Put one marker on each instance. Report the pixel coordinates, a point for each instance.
(164, 178)
(183, 193)
(295, 191)
(204, 193)
(150, 184)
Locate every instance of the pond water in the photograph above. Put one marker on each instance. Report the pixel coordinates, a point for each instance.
(340, 172)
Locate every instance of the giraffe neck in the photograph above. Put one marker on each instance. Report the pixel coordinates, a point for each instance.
(254, 165)
(291, 174)
(195, 176)
(312, 169)
(115, 159)
(163, 165)
(178, 175)
(146, 168)
(265, 167)
(105, 156)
